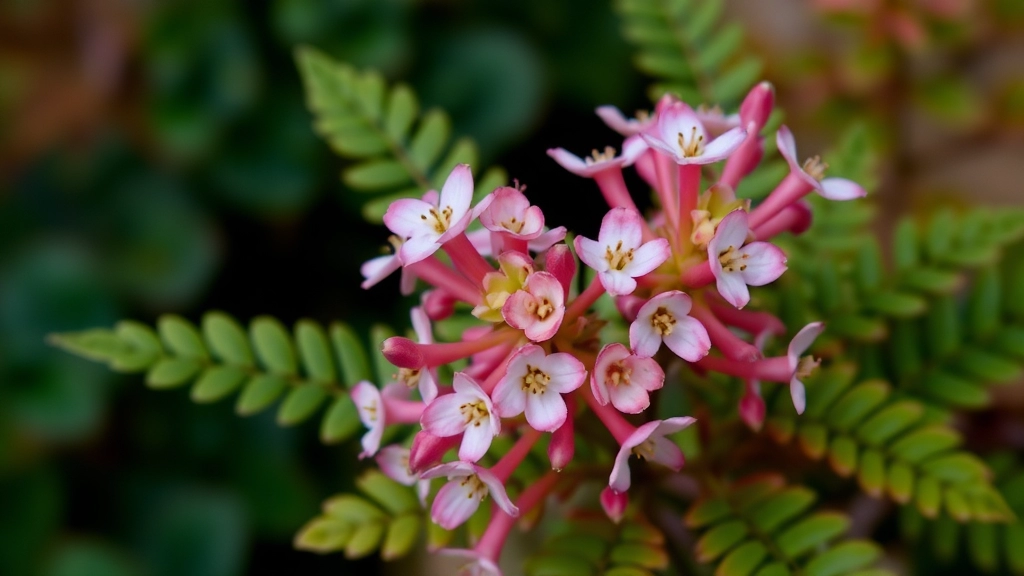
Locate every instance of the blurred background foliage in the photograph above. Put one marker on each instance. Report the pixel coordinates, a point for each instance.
(158, 157)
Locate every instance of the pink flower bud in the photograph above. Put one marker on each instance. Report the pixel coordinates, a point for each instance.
(614, 503)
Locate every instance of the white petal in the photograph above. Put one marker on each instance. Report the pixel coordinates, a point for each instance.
(840, 189)
(617, 282)
(591, 253)
(732, 287)
(721, 147)
(765, 262)
(453, 505)
(457, 192)
(508, 396)
(648, 257)
(476, 442)
(643, 338)
(787, 147)
(689, 339)
(798, 394)
(621, 224)
(545, 412)
(442, 416)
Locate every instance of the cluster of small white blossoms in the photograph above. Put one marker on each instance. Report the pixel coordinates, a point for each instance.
(537, 345)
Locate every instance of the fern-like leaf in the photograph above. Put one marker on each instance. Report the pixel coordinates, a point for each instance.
(894, 446)
(398, 151)
(590, 544)
(308, 368)
(761, 525)
(683, 45)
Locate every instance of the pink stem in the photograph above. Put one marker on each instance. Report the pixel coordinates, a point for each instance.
(563, 442)
(493, 539)
(466, 259)
(613, 188)
(775, 369)
(793, 218)
(791, 189)
(734, 347)
(511, 242)
(689, 190)
(744, 159)
(400, 411)
(584, 301)
(514, 457)
(665, 189)
(498, 372)
(619, 427)
(753, 322)
(434, 272)
(697, 276)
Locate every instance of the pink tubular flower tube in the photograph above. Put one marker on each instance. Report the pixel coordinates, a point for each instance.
(534, 383)
(736, 264)
(605, 168)
(649, 442)
(538, 308)
(424, 226)
(619, 255)
(665, 318)
(467, 410)
(624, 379)
(468, 485)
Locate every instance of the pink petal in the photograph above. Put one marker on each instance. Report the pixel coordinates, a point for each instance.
(497, 491)
(515, 312)
(457, 192)
(673, 425)
(765, 263)
(623, 224)
(408, 282)
(465, 385)
(840, 189)
(476, 442)
(394, 463)
(457, 469)
(428, 385)
(647, 373)
(643, 338)
(803, 340)
(721, 147)
(533, 223)
(798, 394)
(442, 417)
(572, 162)
(566, 372)
(787, 147)
(508, 396)
(631, 398)
(632, 149)
(417, 248)
(619, 479)
(544, 330)
(404, 217)
(617, 121)
(421, 325)
(377, 269)
(453, 505)
(648, 257)
(617, 282)
(732, 231)
(667, 454)
(732, 287)
(547, 239)
(591, 253)
(676, 119)
(368, 403)
(545, 412)
(689, 339)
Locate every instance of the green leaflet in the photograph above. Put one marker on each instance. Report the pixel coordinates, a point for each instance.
(590, 544)
(397, 151)
(265, 364)
(759, 525)
(683, 46)
(891, 445)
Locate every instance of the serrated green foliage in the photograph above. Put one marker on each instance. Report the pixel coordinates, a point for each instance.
(398, 152)
(940, 322)
(989, 546)
(683, 44)
(590, 544)
(761, 525)
(266, 364)
(387, 516)
(890, 444)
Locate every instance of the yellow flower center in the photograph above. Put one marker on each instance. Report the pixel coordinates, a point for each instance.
(617, 374)
(663, 321)
(540, 307)
(732, 260)
(645, 450)
(408, 376)
(806, 366)
(536, 380)
(477, 489)
(474, 412)
(371, 411)
(595, 156)
(441, 219)
(815, 167)
(693, 146)
(513, 224)
(619, 258)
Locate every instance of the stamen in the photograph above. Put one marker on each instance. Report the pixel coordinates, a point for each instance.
(645, 450)
(806, 366)
(477, 489)
(618, 259)
(618, 374)
(692, 147)
(815, 168)
(535, 381)
(663, 321)
(732, 260)
(474, 412)
(595, 156)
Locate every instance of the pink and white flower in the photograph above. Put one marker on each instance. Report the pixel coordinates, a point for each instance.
(625, 379)
(813, 171)
(510, 213)
(424, 379)
(534, 383)
(538, 308)
(681, 135)
(468, 485)
(393, 461)
(736, 265)
(617, 121)
(599, 161)
(649, 442)
(665, 318)
(801, 366)
(376, 269)
(619, 255)
(468, 409)
(482, 240)
(424, 225)
(376, 408)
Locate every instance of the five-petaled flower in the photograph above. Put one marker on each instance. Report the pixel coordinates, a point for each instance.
(619, 255)
(537, 309)
(534, 383)
(467, 410)
(625, 379)
(812, 172)
(425, 225)
(468, 485)
(679, 133)
(736, 264)
(665, 318)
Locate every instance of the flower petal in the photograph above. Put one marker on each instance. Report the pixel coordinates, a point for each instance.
(643, 338)
(798, 394)
(667, 453)
(803, 340)
(508, 396)
(732, 287)
(619, 479)
(689, 339)
(840, 189)
(617, 282)
(404, 217)
(457, 192)
(545, 412)
(394, 463)
(645, 373)
(497, 491)
(566, 372)
(764, 263)
(631, 398)
(453, 505)
(476, 442)
(418, 248)
(591, 253)
(621, 224)
(787, 147)
(721, 147)
(377, 269)
(648, 257)
(442, 416)
(731, 232)
(572, 162)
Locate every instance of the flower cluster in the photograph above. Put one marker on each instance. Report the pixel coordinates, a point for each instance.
(679, 277)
